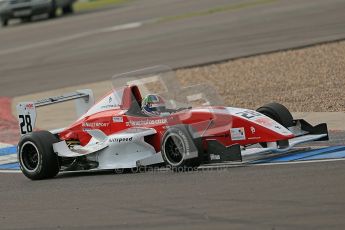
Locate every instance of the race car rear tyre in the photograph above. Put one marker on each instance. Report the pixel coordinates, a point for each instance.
(177, 145)
(36, 155)
(277, 112)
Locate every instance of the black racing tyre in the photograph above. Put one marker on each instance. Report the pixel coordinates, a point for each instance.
(177, 144)
(4, 22)
(277, 112)
(26, 19)
(67, 9)
(36, 155)
(52, 13)
(53, 8)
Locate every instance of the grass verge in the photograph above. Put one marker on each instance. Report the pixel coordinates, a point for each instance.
(96, 4)
(215, 10)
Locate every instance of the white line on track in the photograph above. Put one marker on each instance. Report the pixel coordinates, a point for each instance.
(4, 145)
(301, 162)
(9, 171)
(116, 28)
(231, 165)
(7, 159)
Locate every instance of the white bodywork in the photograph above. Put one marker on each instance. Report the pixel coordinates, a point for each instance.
(120, 150)
(128, 149)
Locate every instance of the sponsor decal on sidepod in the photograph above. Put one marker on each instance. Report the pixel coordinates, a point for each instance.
(121, 139)
(146, 122)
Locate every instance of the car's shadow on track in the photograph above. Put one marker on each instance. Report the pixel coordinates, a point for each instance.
(71, 174)
(161, 170)
(84, 174)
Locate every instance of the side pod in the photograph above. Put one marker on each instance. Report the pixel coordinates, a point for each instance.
(217, 152)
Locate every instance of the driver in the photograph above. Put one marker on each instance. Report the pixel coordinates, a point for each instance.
(153, 105)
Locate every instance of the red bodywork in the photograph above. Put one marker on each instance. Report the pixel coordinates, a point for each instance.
(209, 124)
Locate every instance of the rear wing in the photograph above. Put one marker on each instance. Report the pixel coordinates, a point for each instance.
(26, 111)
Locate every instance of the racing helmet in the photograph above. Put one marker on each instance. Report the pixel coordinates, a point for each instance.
(153, 105)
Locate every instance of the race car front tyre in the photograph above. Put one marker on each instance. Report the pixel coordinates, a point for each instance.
(53, 9)
(67, 9)
(4, 22)
(277, 112)
(177, 147)
(36, 155)
(26, 19)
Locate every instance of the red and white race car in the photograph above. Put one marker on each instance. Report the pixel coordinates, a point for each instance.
(114, 133)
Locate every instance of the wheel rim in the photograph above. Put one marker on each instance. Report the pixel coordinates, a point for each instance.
(29, 156)
(174, 149)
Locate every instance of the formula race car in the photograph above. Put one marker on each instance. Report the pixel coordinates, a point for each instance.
(115, 132)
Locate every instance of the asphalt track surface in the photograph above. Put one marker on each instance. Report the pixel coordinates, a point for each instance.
(86, 48)
(299, 196)
(91, 47)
